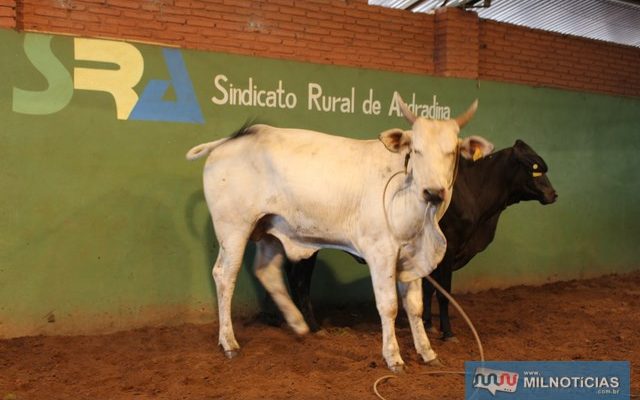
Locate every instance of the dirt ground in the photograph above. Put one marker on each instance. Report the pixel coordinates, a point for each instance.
(594, 319)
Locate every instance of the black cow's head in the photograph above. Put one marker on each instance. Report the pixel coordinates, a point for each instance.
(531, 181)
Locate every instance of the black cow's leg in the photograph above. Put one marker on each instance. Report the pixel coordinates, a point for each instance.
(270, 314)
(299, 276)
(427, 290)
(444, 280)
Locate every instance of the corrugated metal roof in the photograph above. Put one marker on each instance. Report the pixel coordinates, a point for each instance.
(615, 21)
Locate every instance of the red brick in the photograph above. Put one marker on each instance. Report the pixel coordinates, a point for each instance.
(156, 8)
(170, 18)
(36, 21)
(276, 16)
(87, 17)
(191, 4)
(104, 11)
(228, 26)
(51, 12)
(182, 28)
(124, 3)
(7, 22)
(7, 12)
(67, 23)
(152, 25)
(136, 14)
(119, 21)
(268, 39)
(289, 3)
(235, 18)
(133, 33)
(334, 27)
(296, 12)
(203, 22)
(220, 8)
(109, 30)
(170, 36)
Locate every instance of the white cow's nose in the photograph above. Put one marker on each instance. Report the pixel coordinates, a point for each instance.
(434, 196)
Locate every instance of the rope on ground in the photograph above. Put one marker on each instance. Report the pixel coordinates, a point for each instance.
(467, 320)
(375, 384)
(461, 311)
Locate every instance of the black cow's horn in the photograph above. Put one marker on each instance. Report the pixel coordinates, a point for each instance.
(463, 119)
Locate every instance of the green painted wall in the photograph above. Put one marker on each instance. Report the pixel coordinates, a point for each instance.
(103, 223)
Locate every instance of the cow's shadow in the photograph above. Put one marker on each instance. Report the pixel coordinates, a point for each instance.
(336, 304)
(339, 303)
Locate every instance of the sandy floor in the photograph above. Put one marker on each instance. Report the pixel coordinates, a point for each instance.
(580, 320)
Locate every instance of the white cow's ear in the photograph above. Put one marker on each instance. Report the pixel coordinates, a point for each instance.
(395, 140)
(475, 147)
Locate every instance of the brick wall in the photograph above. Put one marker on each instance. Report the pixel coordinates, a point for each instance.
(346, 32)
(7, 14)
(516, 54)
(332, 32)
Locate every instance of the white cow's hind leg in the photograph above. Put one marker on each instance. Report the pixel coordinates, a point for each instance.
(383, 277)
(411, 293)
(225, 273)
(268, 269)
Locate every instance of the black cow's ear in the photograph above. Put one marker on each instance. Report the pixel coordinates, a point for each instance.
(395, 140)
(521, 149)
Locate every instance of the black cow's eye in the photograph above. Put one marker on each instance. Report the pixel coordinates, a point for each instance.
(536, 170)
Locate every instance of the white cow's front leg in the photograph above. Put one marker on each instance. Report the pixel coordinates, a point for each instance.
(411, 293)
(383, 277)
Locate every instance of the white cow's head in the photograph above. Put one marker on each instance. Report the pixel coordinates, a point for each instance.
(433, 147)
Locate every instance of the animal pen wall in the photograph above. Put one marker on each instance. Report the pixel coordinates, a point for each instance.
(104, 224)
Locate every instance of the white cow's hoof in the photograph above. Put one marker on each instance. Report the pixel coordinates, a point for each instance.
(301, 330)
(299, 326)
(231, 353)
(436, 362)
(398, 368)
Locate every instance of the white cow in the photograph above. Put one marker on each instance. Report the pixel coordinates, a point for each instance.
(295, 191)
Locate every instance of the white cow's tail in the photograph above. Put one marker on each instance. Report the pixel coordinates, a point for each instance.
(203, 149)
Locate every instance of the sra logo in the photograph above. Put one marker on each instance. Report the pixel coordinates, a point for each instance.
(124, 70)
(495, 381)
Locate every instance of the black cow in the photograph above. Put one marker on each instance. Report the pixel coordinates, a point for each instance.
(483, 189)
